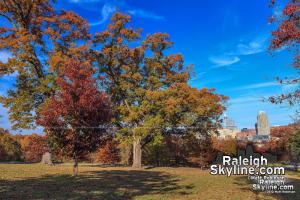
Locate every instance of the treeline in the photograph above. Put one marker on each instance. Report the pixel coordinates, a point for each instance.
(29, 148)
(173, 150)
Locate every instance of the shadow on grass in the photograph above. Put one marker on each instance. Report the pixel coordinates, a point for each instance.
(244, 184)
(115, 184)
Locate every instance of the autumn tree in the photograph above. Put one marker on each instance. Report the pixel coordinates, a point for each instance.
(148, 86)
(9, 147)
(287, 35)
(280, 138)
(74, 117)
(33, 147)
(109, 153)
(228, 146)
(39, 38)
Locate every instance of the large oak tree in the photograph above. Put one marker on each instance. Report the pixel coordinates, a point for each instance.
(149, 87)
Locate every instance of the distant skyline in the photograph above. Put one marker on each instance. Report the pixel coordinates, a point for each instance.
(226, 41)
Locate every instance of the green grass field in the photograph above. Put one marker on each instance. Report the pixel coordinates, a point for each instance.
(36, 181)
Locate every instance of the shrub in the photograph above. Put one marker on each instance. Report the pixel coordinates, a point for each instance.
(157, 154)
(109, 153)
(228, 146)
(280, 138)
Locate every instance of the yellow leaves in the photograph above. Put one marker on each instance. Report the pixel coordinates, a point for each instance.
(185, 99)
(120, 17)
(137, 76)
(172, 106)
(158, 42)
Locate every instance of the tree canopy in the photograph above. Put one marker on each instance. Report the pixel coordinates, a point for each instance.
(39, 38)
(149, 87)
(74, 117)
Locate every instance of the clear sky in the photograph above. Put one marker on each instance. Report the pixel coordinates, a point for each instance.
(226, 41)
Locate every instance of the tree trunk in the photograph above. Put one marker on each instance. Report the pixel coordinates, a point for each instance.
(137, 152)
(75, 167)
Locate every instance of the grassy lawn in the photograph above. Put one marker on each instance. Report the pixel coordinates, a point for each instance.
(36, 181)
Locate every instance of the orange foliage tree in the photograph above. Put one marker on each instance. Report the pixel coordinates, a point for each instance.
(39, 38)
(109, 153)
(149, 87)
(280, 138)
(228, 146)
(33, 147)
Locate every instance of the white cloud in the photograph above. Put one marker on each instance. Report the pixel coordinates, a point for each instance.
(145, 14)
(4, 56)
(106, 11)
(256, 86)
(205, 81)
(220, 61)
(111, 6)
(253, 47)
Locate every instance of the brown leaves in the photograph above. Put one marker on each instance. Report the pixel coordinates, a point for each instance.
(109, 153)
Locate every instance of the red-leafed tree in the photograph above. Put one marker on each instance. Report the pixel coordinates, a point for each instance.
(280, 138)
(74, 115)
(33, 147)
(287, 34)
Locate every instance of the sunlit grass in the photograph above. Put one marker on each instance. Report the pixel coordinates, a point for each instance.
(37, 181)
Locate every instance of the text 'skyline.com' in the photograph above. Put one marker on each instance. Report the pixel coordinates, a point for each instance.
(245, 166)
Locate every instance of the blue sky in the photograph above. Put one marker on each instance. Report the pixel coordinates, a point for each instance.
(226, 41)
